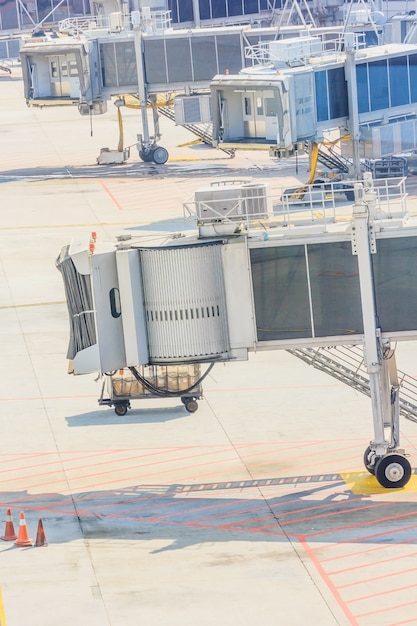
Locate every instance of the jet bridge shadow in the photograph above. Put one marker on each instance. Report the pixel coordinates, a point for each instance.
(314, 509)
(106, 416)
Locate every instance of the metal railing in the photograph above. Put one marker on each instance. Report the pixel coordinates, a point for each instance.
(319, 203)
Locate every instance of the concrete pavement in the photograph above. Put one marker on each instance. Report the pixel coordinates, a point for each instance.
(255, 509)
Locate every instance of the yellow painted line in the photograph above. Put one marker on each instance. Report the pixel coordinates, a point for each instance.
(364, 484)
(2, 613)
(23, 306)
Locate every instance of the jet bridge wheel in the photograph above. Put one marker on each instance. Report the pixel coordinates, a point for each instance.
(159, 155)
(393, 471)
(370, 468)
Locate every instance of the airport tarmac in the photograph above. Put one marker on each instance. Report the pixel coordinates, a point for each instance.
(254, 510)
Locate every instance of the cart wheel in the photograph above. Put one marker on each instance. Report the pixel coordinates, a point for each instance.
(191, 406)
(120, 409)
(393, 471)
(370, 468)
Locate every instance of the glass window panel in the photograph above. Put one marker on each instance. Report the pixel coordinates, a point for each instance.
(338, 97)
(108, 64)
(362, 85)
(173, 7)
(44, 7)
(322, 106)
(32, 10)
(270, 107)
(204, 57)
(395, 276)
(280, 290)
(204, 8)
(126, 63)
(155, 66)
(335, 291)
(248, 106)
(235, 7)
(185, 11)
(259, 106)
(265, 4)
(229, 53)
(250, 6)
(398, 81)
(218, 8)
(407, 136)
(378, 85)
(179, 60)
(412, 68)
(387, 140)
(60, 12)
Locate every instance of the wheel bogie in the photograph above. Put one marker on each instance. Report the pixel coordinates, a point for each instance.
(366, 461)
(146, 155)
(159, 155)
(393, 471)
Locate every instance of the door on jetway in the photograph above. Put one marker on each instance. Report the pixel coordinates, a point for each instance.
(260, 114)
(63, 73)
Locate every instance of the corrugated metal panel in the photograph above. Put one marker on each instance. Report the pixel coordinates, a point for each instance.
(185, 303)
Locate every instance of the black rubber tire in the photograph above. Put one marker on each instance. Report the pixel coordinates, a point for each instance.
(159, 155)
(120, 409)
(393, 471)
(191, 406)
(371, 469)
(146, 156)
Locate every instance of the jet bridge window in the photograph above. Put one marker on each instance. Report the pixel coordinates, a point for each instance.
(306, 291)
(395, 276)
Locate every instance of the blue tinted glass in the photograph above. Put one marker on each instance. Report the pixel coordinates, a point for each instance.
(412, 63)
(337, 93)
(185, 8)
(398, 81)
(378, 85)
(172, 6)
(322, 106)
(204, 8)
(218, 8)
(235, 7)
(362, 86)
(250, 6)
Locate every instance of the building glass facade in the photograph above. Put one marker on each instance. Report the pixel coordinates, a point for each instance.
(25, 14)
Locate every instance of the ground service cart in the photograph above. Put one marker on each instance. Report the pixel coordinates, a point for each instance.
(153, 381)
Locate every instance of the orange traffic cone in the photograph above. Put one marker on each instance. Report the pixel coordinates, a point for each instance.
(9, 533)
(40, 535)
(23, 538)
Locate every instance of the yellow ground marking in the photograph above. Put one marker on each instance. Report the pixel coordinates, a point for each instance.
(23, 306)
(2, 613)
(364, 484)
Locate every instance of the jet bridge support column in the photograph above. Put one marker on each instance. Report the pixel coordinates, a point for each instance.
(383, 457)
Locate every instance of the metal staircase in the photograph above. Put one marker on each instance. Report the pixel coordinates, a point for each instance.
(202, 131)
(347, 365)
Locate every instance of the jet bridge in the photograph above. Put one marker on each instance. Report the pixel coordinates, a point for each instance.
(302, 88)
(261, 278)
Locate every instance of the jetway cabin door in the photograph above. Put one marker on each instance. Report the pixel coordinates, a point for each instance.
(260, 114)
(64, 76)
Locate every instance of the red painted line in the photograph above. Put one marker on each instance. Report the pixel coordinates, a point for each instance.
(378, 562)
(363, 581)
(413, 620)
(361, 525)
(109, 193)
(385, 592)
(390, 608)
(327, 581)
(355, 554)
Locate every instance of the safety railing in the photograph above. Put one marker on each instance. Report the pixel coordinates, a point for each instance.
(319, 203)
